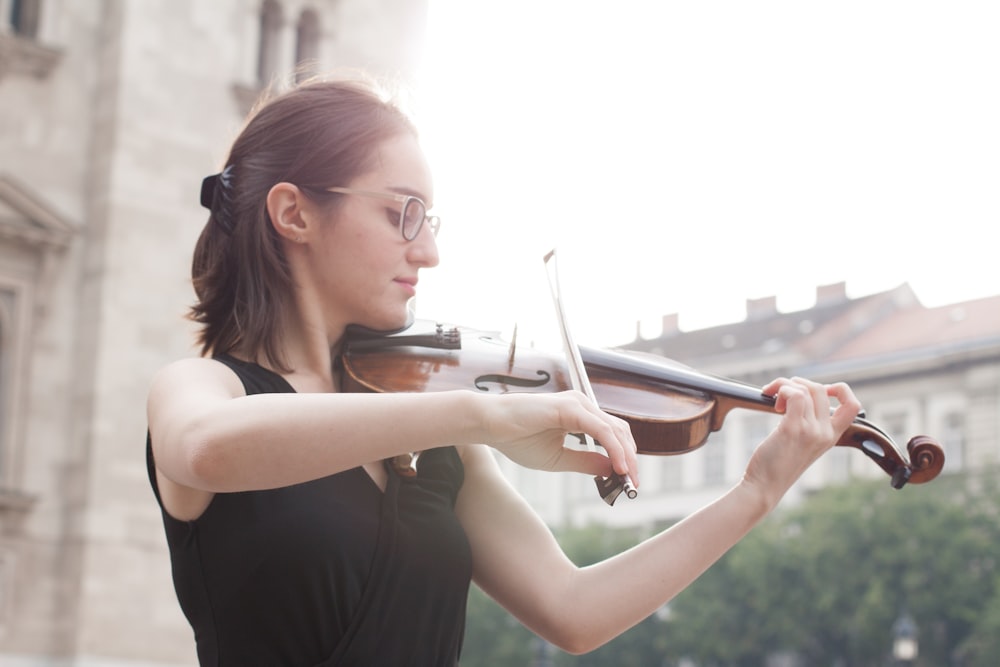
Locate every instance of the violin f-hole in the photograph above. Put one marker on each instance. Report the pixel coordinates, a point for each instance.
(511, 380)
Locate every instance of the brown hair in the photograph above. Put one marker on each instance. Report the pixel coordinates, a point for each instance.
(316, 135)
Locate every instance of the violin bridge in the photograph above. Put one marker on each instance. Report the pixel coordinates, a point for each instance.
(512, 349)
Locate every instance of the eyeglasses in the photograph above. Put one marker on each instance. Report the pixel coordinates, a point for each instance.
(412, 214)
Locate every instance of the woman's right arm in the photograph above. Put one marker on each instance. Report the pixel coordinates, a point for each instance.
(208, 436)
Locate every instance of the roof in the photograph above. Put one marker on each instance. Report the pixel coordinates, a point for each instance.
(836, 332)
(921, 328)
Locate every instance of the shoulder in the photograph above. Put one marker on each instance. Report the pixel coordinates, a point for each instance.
(195, 374)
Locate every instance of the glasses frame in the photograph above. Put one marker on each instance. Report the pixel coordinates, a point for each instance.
(433, 222)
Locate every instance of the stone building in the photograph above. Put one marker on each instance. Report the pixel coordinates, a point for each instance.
(111, 112)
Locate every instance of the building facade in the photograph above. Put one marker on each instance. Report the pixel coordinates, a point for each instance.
(111, 112)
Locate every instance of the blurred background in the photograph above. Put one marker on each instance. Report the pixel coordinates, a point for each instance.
(752, 189)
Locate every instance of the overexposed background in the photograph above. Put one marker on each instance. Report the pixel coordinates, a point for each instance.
(684, 157)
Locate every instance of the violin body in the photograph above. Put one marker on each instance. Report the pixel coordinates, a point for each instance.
(670, 408)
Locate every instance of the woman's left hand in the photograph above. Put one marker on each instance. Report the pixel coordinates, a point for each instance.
(809, 426)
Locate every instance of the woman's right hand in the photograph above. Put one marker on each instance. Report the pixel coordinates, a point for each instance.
(531, 430)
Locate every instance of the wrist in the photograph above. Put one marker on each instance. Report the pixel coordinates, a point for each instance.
(759, 498)
(471, 412)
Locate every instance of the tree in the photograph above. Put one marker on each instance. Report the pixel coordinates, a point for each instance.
(827, 579)
(824, 580)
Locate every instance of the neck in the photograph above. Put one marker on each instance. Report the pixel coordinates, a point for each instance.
(309, 349)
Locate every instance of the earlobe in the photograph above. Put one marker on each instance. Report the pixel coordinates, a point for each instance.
(286, 208)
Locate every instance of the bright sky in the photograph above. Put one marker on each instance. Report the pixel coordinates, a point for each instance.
(686, 156)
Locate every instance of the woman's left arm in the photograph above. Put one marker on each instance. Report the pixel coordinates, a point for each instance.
(517, 561)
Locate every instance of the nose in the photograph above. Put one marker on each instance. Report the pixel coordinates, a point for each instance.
(423, 250)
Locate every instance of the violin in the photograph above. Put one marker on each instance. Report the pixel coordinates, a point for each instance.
(671, 408)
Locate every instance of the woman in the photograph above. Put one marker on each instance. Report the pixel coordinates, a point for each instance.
(291, 542)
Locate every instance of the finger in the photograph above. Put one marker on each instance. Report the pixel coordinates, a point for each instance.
(849, 406)
(809, 398)
(817, 395)
(773, 389)
(583, 461)
(794, 400)
(626, 463)
(615, 436)
(630, 449)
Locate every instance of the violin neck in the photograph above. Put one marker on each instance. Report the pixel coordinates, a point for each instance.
(729, 394)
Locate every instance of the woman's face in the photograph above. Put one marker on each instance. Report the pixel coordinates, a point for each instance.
(366, 270)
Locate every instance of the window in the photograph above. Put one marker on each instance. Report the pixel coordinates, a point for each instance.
(24, 17)
(953, 440)
(15, 296)
(32, 237)
(269, 56)
(671, 473)
(758, 426)
(715, 462)
(4, 354)
(306, 43)
(895, 425)
(20, 51)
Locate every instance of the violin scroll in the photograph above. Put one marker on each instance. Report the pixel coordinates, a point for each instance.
(922, 462)
(926, 458)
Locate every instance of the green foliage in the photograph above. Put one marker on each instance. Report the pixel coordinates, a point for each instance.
(824, 580)
(827, 579)
(982, 646)
(494, 638)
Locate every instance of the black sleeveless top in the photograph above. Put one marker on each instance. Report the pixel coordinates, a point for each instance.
(329, 572)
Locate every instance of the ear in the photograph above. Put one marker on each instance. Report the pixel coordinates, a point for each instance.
(289, 211)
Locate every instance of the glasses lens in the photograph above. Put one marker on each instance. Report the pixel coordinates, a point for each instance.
(412, 217)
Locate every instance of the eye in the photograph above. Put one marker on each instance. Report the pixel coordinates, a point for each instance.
(392, 215)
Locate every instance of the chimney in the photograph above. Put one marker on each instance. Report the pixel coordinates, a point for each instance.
(760, 308)
(670, 325)
(829, 294)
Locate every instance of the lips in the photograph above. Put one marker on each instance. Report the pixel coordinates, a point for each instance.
(409, 283)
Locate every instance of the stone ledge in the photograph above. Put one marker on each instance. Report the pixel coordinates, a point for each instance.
(14, 508)
(26, 56)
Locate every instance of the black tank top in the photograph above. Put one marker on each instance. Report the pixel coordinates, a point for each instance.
(329, 572)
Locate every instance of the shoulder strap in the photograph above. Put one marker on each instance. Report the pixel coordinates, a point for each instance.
(255, 378)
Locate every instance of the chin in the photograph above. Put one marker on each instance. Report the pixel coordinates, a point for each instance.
(408, 315)
(389, 323)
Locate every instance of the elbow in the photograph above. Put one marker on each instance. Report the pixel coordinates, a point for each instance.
(583, 643)
(574, 638)
(205, 466)
(564, 622)
(198, 461)
(575, 643)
